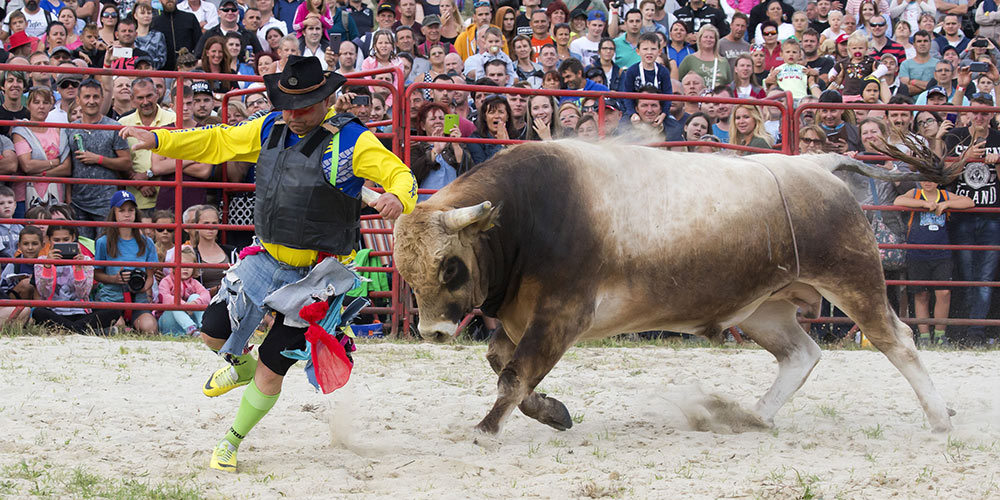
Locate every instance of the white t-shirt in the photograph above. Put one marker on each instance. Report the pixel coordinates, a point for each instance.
(585, 48)
(207, 13)
(36, 23)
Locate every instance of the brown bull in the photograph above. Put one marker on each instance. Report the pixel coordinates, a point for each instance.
(568, 241)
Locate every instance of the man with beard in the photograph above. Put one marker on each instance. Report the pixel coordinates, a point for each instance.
(627, 44)
(813, 59)
(203, 103)
(148, 114)
(821, 23)
(180, 28)
(104, 156)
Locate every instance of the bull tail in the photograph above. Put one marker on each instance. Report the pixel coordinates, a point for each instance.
(926, 164)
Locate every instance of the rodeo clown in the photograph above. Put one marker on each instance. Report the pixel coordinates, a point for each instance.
(311, 166)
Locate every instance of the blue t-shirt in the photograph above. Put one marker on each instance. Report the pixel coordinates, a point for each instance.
(128, 250)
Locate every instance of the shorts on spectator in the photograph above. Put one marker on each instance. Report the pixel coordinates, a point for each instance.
(929, 270)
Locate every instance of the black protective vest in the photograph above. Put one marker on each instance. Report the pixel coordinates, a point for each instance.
(296, 205)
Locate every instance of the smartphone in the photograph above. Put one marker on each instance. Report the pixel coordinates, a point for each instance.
(335, 39)
(362, 100)
(952, 117)
(979, 67)
(450, 122)
(835, 135)
(67, 250)
(125, 52)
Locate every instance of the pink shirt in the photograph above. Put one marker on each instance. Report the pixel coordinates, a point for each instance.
(50, 143)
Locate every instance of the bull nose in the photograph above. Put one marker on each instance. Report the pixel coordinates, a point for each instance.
(438, 331)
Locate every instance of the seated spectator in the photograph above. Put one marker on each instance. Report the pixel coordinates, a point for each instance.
(39, 213)
(930, 265)
(812, 139)
(237, 113)
(8, 232)
(571, 71)
(606, 64)
(769, 47)
(747, 128)
(207, 248)
(552, 80)
(17, 281)
(542, 124)
(743, 86)
(493, 121)
(13, 108)
(126, 244)
(696, 126)
(192, 292)
(569, 116)
(41, 151)
(436, 164)
(273, 37)
(69, 283)
(383, 52)
(775, 20)
(163, 237)
(524, 66)
(586, 128)
(841, 134)
(288, 45)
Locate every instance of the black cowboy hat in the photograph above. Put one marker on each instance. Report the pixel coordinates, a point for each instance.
(301, 84)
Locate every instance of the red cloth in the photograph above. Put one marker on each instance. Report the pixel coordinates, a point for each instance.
(330, 361)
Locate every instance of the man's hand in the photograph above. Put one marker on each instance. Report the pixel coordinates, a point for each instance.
(388, 206)
(86, 157)
(964, 76)
(343, 103)
(146, 139)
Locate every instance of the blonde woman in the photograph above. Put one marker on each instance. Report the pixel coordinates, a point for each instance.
(569, 116)
(746, 128)
(706, 61)
(452, 23)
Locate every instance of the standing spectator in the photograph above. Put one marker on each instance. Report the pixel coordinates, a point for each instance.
(272, 39)
(561, 34)
(285, 10)
(697, 14)
(951, 32)
(540, 36)
(813, 59)
(125, 244)
(588, 46)
(706, 62)
(228, 23)
(451, 21)
(362, 14)
(734, 44)
(40, 151)
(909, 11)
(268, 20)
(148, 39)
(492, 122)
(147, 113)
(14, 85)
(627, 43)
(774, 10)
(431, 30)
(108, 23)
(882, 44)
(126, 35)
(436, 164)
(747, 128)
(931, 228)
(206, 12)
(103, 156)
(347, 59)
(987, 18)
(979, 182)
(408, 18)
(192, 292)
(216, 59)
(69, 283)
(482, 15)
(770, 47)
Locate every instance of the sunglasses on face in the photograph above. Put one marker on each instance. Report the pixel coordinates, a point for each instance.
(808, 140)
(228, 9)
(69, 84)
(770, 33)
(878, 25)
(109, 14)
(164, 230)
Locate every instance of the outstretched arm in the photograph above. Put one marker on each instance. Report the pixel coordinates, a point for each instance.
(216, 144)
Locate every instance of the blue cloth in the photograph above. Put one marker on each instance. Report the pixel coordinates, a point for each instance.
(974, 229)
(926, 228)
(128, 250)
(177, 322)
(679, 55)
(723, 135)
(587, 85)
(482, 152)
(632, 81)
(285, 11)
(439, 178)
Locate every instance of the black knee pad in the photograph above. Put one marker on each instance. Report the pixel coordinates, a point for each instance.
(281, 338)
(215, 321)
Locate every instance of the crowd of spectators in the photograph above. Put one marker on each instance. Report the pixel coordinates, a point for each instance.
(845, 51)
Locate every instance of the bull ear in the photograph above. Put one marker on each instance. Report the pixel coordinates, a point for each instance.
(457, 219)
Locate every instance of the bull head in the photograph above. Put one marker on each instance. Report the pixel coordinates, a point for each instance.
(436, 253)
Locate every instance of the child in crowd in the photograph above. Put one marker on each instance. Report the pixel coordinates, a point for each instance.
(192, 292)
(8, 232)
(851, 72)
(17, 22)
(18, 280)
(128, 245)
(65, 283)
(927, 225)
(835, 17)
(645, 73)
(793, 76)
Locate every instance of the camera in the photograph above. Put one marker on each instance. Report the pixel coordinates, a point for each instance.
(136, 281)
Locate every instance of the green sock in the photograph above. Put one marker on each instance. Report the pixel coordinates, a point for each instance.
(939, 335)
(253, 407)
(245, 365)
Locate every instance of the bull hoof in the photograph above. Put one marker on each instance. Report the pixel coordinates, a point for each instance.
(488, 427)
(549, 411)
(951, 412)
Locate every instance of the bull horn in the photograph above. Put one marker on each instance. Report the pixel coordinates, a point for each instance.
(458, 219)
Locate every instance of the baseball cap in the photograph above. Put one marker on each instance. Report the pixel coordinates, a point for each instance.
(613, 104)
(68, 76)
(842, 38)
(121, 197)
(937, 90)
(596, 15)
(431, 20)
(200, 88)
(224, 2)
(385, 6)
(61, 49)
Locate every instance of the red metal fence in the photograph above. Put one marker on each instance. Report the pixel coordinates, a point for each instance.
(401, 309)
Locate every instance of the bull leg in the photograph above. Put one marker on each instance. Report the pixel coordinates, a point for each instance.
(888, 334)
(543, 344)
(773, 327)
(538, 406)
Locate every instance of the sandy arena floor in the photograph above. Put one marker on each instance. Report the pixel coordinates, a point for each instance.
(81, 410)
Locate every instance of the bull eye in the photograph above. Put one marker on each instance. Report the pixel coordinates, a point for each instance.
(454, 273)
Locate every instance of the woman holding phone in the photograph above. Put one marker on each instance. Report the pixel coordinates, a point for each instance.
(436, 164)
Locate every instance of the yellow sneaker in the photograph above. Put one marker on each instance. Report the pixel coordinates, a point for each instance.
(224, 380)
(224, 457)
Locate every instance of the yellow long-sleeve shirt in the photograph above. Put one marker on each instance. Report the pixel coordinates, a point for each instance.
(243, 142)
